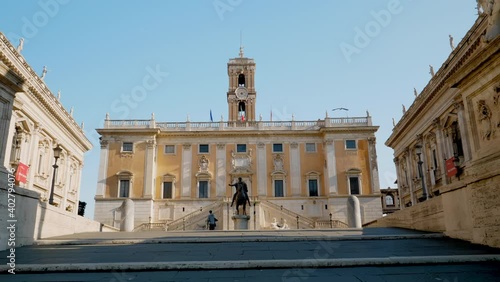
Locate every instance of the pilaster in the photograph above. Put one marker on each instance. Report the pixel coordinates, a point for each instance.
(372, 152)
(150, 168)
(103, 169)
(295, 169)
(261, 169)
(221, 181)
(187, 157)
(331, 168)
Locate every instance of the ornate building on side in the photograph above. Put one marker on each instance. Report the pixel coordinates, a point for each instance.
(447, 145)
(298, 172)
(39, 123)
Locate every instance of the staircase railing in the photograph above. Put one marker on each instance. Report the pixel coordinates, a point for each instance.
(187, 222)
(150, 226)
(304, 222)
(325, 224)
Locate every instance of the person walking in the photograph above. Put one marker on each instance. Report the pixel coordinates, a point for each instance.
(211, 221)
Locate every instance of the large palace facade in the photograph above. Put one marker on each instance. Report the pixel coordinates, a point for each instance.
(33, 124)
(299, 173)
(446, 146)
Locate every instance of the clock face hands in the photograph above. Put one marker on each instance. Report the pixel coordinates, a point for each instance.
(241, 92)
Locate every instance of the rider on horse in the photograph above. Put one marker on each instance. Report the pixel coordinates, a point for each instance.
(242, 186)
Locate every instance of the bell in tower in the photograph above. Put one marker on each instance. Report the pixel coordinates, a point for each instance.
(241, 94)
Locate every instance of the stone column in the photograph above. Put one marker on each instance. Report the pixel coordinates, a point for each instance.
(103, 169)
(67, 178)
(150, 167)
(34, 149)
(459, 106)
(6, 101)
(78, 180)
(440, 148)
(261, 170)
(399, 178)
(295, 169)
(331, 168)
(187, 157)
(221, 171)
(410, 168)
(372, 152)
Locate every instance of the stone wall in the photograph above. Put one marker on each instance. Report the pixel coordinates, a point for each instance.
(428, 216)
(38, 220)
(470, 212)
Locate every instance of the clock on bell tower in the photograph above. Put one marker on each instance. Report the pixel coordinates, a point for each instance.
(241, 94)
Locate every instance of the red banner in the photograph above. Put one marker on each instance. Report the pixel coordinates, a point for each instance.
(22, 173)
(451, 169)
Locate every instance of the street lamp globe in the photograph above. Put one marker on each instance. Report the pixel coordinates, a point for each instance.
(57, 152)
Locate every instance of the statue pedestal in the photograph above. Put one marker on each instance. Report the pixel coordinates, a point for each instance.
(240, 222)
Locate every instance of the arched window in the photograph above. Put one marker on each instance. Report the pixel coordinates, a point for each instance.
(242, 111)
(241, 80)
(389, 200)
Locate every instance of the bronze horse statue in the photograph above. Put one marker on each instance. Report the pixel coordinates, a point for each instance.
(240, 199)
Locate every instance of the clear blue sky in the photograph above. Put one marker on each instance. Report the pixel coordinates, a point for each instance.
(98, 51)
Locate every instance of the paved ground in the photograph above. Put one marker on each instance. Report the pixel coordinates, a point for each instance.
(424, 273)
(379, 254)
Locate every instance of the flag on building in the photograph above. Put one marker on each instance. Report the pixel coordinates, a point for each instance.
(211, 118)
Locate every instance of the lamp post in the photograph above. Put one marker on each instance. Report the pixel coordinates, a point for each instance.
(418, 151)
(57, 154)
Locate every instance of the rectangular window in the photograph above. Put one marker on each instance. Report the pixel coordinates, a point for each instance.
(203, 189)
(350, 144)
(127, 147)
(310, 147)
(354, 185)
(167, 190)
(241, 148)
(277, 148)
(124, 188)
(278, 188)
(313, 187)
(203, 148)
(169, 149)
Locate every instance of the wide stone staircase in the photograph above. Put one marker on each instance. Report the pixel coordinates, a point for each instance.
(193, 221)
(368, 254)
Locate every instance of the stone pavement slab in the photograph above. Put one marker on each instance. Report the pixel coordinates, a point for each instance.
(477, 272)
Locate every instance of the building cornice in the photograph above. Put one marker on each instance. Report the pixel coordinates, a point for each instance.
(36, 88)
(446, 77)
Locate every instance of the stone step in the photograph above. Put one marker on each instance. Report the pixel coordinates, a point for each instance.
(253, 264)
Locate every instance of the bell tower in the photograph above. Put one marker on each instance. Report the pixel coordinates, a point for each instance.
(241, 94)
